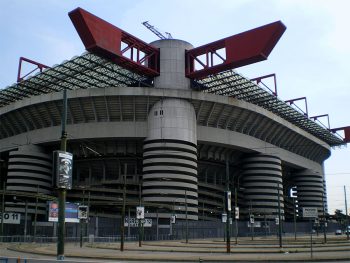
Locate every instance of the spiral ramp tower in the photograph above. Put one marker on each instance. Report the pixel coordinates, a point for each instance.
(29, 170)
(263, 186)
(170, 149)
(310, 189)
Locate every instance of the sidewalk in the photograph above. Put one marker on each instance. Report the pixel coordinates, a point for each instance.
(195, 250)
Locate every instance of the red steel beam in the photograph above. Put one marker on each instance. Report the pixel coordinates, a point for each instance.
(258, 80)
(40, 66)
(105, 39)
(321, 116)
(301, 98)
(242, 49)
(346, 133)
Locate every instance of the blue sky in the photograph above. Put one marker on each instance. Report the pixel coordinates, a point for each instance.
(311, 59)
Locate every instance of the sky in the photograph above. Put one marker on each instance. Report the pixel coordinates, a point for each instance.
(311, 59)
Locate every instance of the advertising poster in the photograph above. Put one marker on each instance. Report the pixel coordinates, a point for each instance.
(71, 212)
(63, 168)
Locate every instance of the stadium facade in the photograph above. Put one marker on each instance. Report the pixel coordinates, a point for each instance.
(176, 137)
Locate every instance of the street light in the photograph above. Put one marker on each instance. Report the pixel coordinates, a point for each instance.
(123, 210)
(25, 214)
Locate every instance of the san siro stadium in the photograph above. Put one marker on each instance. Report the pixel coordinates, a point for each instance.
(173, 126)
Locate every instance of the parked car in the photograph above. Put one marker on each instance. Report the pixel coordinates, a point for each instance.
(338, 232)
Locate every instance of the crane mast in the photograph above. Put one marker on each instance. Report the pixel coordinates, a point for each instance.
(156, 31)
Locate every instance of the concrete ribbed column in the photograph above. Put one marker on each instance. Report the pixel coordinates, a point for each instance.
(310, 188)
(29, 170)
(170, 158)
(262, 179)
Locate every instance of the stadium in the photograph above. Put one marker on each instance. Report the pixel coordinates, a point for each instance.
(171, 126)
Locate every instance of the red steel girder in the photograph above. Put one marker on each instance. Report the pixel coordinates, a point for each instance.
(259, 80)
(306, 112)
(242, 49)
(346, 133)
(105, 39)
(40, 66)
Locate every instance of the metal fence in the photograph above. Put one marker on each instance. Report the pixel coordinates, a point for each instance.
(108, 230)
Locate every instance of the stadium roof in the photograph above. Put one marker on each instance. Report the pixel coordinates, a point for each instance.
(92, 71)
(85, 71)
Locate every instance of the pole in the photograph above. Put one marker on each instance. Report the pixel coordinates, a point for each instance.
(186, 217)
(140, 203)
(250, 222)
(279, 217)
(2, 211)
(157, 225)
(324, 220)
(311, 252)
(25, 220)
(122, 230)
(86, 222)
(36, 212)
(61, 191)
(236, 220)
(346, 215)
(81, 223)
(228, 205)
(295, 220)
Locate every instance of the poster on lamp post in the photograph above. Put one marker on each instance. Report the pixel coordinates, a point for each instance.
(63, 168)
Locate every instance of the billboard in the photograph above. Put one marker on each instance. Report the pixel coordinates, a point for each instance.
(11, 218)
(71, 214)
(62, 168)
(134, 222)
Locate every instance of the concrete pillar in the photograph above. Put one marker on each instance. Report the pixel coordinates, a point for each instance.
(172, 64)
(262, 179)
(170, 158)
(310, 188)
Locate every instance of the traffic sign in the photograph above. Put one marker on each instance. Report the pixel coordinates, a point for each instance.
(236, 212)
(83, 212)
(223, 218)
(140, 212)
(228, 200)
(11, 218)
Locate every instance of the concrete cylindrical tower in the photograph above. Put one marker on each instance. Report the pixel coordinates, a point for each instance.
(170, 149)
(29, 170)
(170, 158)
(172, 64)
(310, 188)
(262, 179)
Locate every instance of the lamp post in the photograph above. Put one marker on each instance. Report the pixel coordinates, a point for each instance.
(62, 191)
(186, 217)
(279, 217)
(346, 215)
(25, 214)
(228, 208)
(36, 212)
(324, 220)
(25, 219)
(295, 219)
(139, 225)
(2, 210)
(81, 222)
(123, 210)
